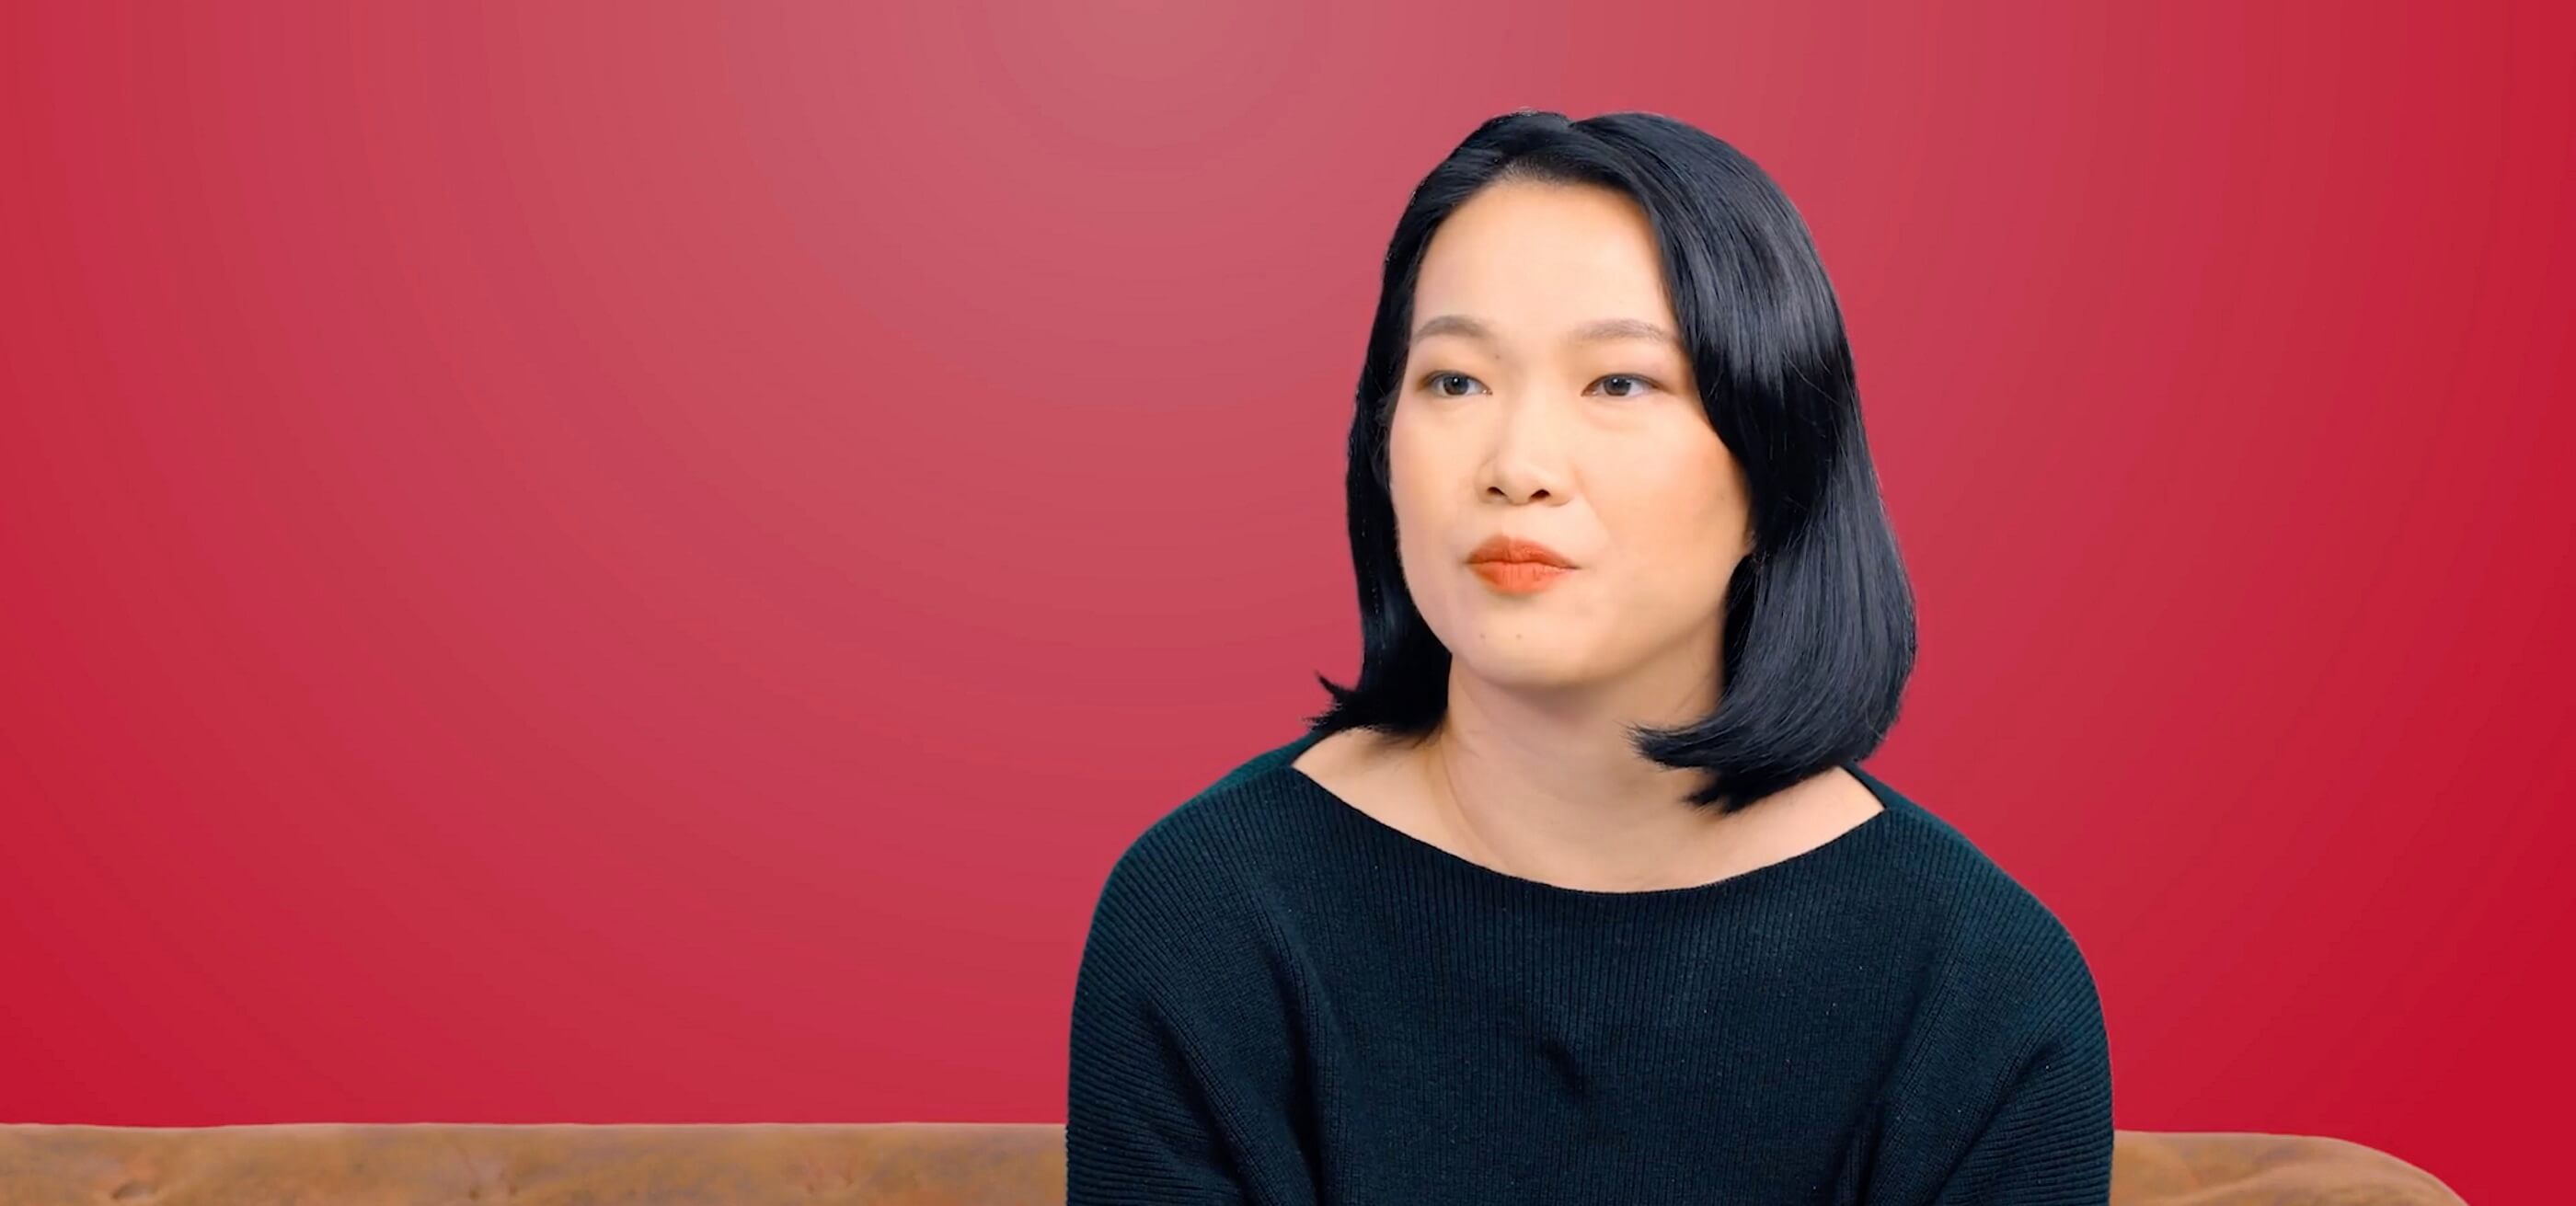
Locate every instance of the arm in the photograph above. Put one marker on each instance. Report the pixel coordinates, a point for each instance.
(2049, 1141)
(1181, 1070)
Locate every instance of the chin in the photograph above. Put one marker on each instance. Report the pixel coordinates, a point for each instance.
(1525, 668)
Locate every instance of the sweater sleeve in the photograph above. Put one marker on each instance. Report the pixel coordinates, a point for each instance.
(2001, 1095)
(2048, 1142)
(1180, 1073)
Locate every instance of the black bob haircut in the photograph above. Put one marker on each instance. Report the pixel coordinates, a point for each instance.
(1819, 629)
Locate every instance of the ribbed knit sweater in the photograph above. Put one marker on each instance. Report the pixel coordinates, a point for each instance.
(1285, 1000)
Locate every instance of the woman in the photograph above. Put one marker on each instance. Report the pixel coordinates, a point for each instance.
(1580, 895)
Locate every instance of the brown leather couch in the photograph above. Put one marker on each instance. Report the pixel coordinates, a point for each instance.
(878, 1164)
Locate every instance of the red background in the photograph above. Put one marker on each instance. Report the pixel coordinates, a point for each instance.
(603, 563)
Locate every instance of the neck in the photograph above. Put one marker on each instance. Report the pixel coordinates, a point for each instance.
(1551, 787)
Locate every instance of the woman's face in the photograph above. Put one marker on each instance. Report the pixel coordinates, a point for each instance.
(1512, 420)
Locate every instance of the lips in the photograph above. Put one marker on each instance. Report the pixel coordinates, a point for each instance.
(1517, 567)
(1514, 550)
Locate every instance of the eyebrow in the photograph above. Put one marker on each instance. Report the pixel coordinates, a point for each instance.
(1592, 332)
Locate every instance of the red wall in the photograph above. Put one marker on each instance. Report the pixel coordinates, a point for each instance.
(607, 563)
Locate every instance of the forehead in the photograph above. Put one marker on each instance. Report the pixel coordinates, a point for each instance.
(1536, 259)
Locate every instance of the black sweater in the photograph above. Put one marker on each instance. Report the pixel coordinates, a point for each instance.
(1283, 999)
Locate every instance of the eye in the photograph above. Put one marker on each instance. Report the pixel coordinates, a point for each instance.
(1642, 384)
(1433, 382)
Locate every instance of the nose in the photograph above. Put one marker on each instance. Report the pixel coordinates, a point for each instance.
(1527, 462)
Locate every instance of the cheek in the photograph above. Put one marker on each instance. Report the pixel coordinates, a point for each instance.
(1682, 521)
(1422, 477)
(1406, 443)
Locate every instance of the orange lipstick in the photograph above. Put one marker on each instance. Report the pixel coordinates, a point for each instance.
(1519, 577)
(1517, 567)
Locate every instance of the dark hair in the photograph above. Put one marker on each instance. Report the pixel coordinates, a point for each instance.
(1819, 629)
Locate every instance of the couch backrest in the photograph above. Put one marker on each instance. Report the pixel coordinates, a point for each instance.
(876, 1164)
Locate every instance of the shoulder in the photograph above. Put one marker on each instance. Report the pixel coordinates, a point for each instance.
(1219, 826)
(1196, 864)
(1986, 933)
(1192, 923)
(2001, 1068)
(2000, 992)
